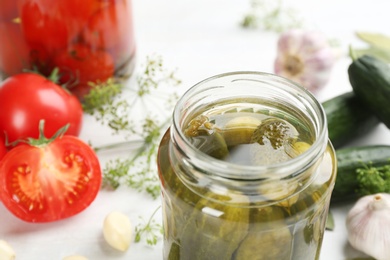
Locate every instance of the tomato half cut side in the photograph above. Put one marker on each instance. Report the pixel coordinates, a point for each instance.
(44, 184)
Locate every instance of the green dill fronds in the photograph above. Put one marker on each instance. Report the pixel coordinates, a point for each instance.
(101, 103)
(153, 75)
(151, 230)
(373, 180)
(123, 115)
(101, 94)
(114, 171)
(139, 170)
(271, 16)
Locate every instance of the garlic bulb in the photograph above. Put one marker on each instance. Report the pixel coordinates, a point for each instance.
(368, 225)
(305, 57)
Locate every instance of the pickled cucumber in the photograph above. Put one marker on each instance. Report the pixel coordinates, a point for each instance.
(296, 148)
(240, 130)
(274, 131)
(215, 228)
(272, 244)
(202, 135)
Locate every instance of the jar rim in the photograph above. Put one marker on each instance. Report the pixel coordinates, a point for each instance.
(221, 169)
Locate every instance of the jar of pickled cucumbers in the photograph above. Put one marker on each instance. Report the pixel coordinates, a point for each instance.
(246, 171)
(88, 41)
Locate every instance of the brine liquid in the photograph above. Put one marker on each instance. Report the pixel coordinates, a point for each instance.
(258, 135)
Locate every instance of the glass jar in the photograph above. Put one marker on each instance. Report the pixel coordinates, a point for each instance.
(88, 40)
(246, 171)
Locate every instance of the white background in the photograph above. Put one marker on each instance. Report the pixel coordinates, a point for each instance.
(201, 38)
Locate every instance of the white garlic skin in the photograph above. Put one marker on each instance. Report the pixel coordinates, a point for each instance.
(305, 57)
(6, 251)
(117, 230)
(368, 226)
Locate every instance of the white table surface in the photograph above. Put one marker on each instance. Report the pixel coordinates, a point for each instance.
(201, 38)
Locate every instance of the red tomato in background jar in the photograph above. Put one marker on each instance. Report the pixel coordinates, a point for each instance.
(111, 29)
(44, 27)
(14, 52)
(80, 65)
(8, 10)
(27, 98)
(53, 25)
(50, 182)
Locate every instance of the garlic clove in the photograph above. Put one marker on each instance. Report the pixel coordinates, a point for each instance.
(6, 251)
(75, 257)
(117, 230)
(368, 225)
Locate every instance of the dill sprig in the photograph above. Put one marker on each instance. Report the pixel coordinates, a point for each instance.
(151, 230)
(124, 115)
(153, 75)
(271, 15)
(101, 103)
(139, 170)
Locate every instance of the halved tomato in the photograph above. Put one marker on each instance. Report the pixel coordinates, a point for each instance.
(49, 182)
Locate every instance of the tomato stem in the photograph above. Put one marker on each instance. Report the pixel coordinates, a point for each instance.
(41, 140)
(54, 75)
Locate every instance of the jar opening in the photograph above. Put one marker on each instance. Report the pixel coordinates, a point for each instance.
(262, 103)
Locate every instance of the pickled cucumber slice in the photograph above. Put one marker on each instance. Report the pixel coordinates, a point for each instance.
(269, 141)
(239, 130)
(296, 148)
(213, 145)
(202, 135)
(200, 125)
(274, 131)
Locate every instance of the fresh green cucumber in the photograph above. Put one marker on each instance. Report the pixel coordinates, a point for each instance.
(348, 118)
(370, 80)
(349, 160)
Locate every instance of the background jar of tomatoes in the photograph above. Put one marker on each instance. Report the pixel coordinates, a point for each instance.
(88, 41)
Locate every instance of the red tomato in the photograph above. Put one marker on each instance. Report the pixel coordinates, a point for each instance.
(80, 64)
(49, 183)
(27, 98)
(53, 25)
(14, 52)
(3, 148)
(44, 27)
(111, 29)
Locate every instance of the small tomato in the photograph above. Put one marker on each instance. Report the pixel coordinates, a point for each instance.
(27, 98)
